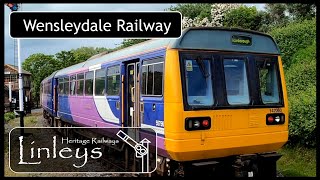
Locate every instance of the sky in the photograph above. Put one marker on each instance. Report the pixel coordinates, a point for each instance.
(52, 46)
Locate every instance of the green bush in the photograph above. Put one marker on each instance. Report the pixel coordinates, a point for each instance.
(302, 73)
(302, 117)
(293, 37)
(9, 116)
(301, 85)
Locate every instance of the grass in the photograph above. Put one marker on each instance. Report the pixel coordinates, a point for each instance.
(29, 121)
(297, 161)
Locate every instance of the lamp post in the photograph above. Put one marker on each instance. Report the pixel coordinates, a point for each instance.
(15, 7)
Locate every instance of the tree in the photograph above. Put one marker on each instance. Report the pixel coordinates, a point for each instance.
(84, 53)
(243, 17)
(40, 66)
(201, 10)
(277, 14)
(216, 18)
(65, 59)
(301, 11)
(129, 42)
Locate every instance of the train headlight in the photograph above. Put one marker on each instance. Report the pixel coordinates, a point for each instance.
(274, 119)
(197, 123)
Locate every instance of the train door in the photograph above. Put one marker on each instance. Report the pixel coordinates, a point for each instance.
(132, 108)
(133, 94)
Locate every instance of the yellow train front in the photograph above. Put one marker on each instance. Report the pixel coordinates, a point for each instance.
(225, 103)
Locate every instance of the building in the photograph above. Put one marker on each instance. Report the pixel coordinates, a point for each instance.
(11, 76)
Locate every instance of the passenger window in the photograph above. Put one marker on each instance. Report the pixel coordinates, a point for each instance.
(236, 81)
(152, 77)
(150, 80)
(113, 80)
(158, 78)
(144, 80)
(100, 82)
(89, 83)
(80, 83)
(72, 85)
(61, 83)
(66, 85)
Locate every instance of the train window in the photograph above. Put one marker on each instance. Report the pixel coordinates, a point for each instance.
(66, 85)
(73, 85)
(49, 88)
(152, 77)
(268, 80)
(88, 90)
(80, 83)
(199, 81)
(236, 81)
(158, 76)
(61, 83)
(100, 82)
(113, 80)
(144, 80)
(150, 80)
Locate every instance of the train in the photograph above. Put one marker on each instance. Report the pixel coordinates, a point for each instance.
(215, 96)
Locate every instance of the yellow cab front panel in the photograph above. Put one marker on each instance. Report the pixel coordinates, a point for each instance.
(234, 130)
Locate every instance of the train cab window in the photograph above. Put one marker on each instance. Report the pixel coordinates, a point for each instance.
(66, 85)
(268, 77)
(73, 85)
(113, 80)
(88, 83)
(236, 81)
(100, 82)
(61, 84)
(199, 81)
(79, 84)
(152, 77)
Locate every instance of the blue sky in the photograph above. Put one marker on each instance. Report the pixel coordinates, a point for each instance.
(52, 46)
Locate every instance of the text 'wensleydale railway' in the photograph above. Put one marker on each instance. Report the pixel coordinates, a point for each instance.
(95, 25)
(102, 26)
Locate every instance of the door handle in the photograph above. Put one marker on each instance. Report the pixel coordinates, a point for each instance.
(132, 94)
(118, 105)
(141, 107)
(153, 107)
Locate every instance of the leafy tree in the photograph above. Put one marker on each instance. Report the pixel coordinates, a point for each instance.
(201, 10)
(218, 12)
(65, 59)
(243, 17)
(84, 53)
(277, 14)
(40, 66)
(129, 42)
(302, 11)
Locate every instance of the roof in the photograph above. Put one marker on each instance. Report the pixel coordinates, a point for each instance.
(15, 68)
(207, 38)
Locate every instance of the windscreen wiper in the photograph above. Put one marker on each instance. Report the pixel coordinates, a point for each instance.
(202, 67)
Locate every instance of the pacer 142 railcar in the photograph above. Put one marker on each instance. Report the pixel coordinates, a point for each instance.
(215, 96)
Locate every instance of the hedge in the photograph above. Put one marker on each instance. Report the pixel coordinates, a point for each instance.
(301, 84)
(293, 37)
